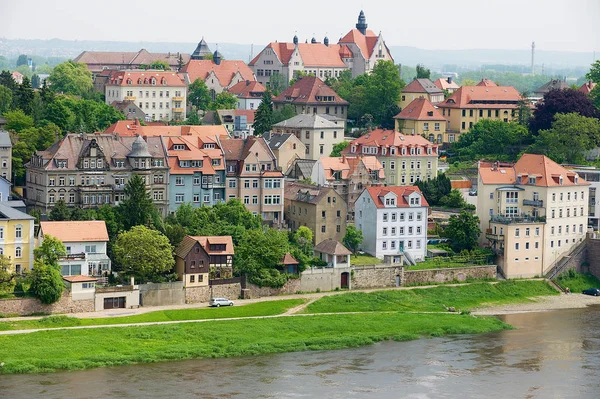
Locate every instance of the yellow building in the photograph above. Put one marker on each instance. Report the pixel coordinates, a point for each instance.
(420, 88)
(421, 118)
(532, 213)
(470, 104)
(16, 237)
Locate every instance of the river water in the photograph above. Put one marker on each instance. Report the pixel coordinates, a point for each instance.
(549, 355)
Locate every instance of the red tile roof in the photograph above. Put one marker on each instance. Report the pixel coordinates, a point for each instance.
(587, 87)
(366, 43)
(312, 54)
(225, 71)
(129, 58)
(247, 89)
(443, 84)
(306, 91)
(79, 279)
(288, 259)
(482, 97)
(382, 138)
(144, 78)
(133, 128)
(487, 83)
(422, 86)
(194, 151)
(420, 109)
(75, 231)
(546, 171)
(401, 191)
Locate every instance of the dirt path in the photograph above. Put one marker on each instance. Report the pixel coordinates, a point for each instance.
(541, 304)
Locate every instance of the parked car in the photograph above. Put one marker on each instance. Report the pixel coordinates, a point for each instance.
(473, 192)
(591, 291)
(218, 302)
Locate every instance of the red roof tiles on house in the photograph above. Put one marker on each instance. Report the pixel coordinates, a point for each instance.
(420, 109)
(79, 279)
(487, 83)
(225, 71)
(444, 84)
(382, 138)
(76, 231)
(587, 87)
(309, 90)
(482, 97)
(422, 86)
(247, 89)
(401, 192)
(145, 78)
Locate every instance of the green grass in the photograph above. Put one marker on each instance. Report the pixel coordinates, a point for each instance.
(432, 299)
(577, 282)
(48, 351)
(266, 308)
(363, 260)
(440, 262)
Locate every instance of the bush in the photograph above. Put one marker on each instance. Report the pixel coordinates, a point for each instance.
(46, 283)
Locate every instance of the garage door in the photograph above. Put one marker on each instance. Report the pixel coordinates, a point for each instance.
(114, 303)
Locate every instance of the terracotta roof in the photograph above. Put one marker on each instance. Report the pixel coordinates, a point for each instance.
(76, 231)
(371, 163)
(193, 151)
(306, 91)
(482, 97)
(487, 83)
(587, 87)
(129, 58)
(133, 128)
(366, 43)
(422, 86)
(225, 71)
(144, 78)
(312, 54)
(401, 191)
(443, 84)
(546, 171)
(288, 259)
(335, 164)
(247, 89)
(420, 109)
(188, 243)
(79, 279)
(332, 247)
(382, 138)
(239, 149)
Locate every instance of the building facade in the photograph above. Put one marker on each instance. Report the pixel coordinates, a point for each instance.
(470, 104)
(201, 258)
(88, 170)
(5, 157)
(310, 95)
(532, 213)
(253, 178)
(393, 221)
(162, 95)
(286, 147)
(321, 209)
(406, 159)
(86, 245)
(16, 238)
(421, 118)
(317, 133)
(218, 74)
(591, 175)
(420, 88)
(249, 94)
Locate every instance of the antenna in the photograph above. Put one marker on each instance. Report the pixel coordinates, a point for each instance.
(533, 58)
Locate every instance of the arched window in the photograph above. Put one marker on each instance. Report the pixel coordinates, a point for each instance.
(431, 138)
(213, 94)
(145, 81)
(164, 81)
(17, 252)
(153, 81)
(140, 81)
(128, 81)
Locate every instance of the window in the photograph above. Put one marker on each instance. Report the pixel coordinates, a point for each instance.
(527, 232)
(385, 231)
(384, 245)
(90, 249)
(179, 198)
(537, 231)
(18, 252)
(516, 246)
(18, 231)
(206, 198)
(192, 278)
(385, 217)
(196, 197)
(517, 231)
(179, 180)
(231, 183)
(323, 229)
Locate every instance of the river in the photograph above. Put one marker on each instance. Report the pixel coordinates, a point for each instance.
(549, 355)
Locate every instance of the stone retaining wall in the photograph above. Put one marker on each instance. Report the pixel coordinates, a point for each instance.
(416, 277)
(376, 276)
(593, 257)
(322, 279)
(253, 291)
(27, 306)
(162, 294)
(197, 294)
(203, 294)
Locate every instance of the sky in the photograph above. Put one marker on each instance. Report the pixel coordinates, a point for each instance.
(564, 25)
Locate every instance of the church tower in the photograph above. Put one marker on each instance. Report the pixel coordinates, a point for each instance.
(362, 23)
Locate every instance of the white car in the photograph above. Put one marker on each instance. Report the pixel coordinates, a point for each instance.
(218, 302)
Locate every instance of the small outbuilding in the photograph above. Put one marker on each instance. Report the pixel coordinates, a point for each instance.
(333, 252)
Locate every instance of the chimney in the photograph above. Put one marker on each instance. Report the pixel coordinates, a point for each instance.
(449, 80)
(132, 281)
(247, 82)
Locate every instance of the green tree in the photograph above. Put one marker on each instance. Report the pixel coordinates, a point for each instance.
(21, 154)
(382, 90)
(46, 282)
(35, 81)
(463, 231)
(303, 237)
(278, 83)
(422, 72)
(60, 211)
(6, 99)
(50, 251)
(224, 100)
(454, 199)
(180, 62)
(258, 254)
(263, 118)
(338, 148)
(21, 60)
(193, 118)
(158, 64)
(435, 189)
(495, 138)
(284, 113)
(144, 254)
(560, 102)
(199, 95)
(71, 78)
(594, 73)
(17, 120)
(568, 138)
(137, 207)
(24, 96)
(7, 80)
(353, 238)
(7, 277)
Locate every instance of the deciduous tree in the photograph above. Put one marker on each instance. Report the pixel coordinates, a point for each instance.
(560, 102)
(46, 282)
(17, 120)
(7, 277)
(60, 211)
(353, 238)
(338, 148)
(422, 72)
(259, 253)
(284, 113)
(224, 100)
(199, 95)
(71, 78)
(6, 99)
(463, 231)
(50, 251)
(143, 253)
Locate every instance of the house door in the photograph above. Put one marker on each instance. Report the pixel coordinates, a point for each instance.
(397, 280)
(114, 303)
(345, 279)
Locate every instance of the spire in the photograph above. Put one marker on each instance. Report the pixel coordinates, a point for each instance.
(295, 39)
(201, 51)
(326, 41)
(362, 23)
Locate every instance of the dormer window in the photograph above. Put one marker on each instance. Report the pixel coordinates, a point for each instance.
(153, 81)
(179, 147)
(216, 162)
(576, 179)
(560, 180)
(140, 81)
(532, 180)
(353, 149)
(393, 151)
(128, 81)
(383, 151)
(164, 81)
(209, 146)
(184, 164)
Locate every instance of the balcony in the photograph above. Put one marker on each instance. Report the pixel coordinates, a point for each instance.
(177, 98)
(510, 219)
(119, 186)
(536, 203)
(177, 109)
(494, 237)
(130, 98)
(94, 188)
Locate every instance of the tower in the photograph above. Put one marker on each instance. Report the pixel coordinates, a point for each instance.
(533, 58)
(362, 23)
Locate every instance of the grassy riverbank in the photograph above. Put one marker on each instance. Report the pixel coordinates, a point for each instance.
(433, 299)
(577, 282)
(55, 350)
(267, 308)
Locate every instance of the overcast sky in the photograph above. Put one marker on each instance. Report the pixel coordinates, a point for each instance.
(570, 25)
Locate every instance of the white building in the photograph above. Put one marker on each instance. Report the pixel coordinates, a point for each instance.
(531, 213)
(591, 175)
(160, 94)
(393, 221)
(85, 242)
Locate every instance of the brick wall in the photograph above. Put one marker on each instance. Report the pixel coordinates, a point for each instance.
(415, 277)
(27, 306)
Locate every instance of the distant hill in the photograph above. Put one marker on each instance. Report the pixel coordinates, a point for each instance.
(434, 59)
